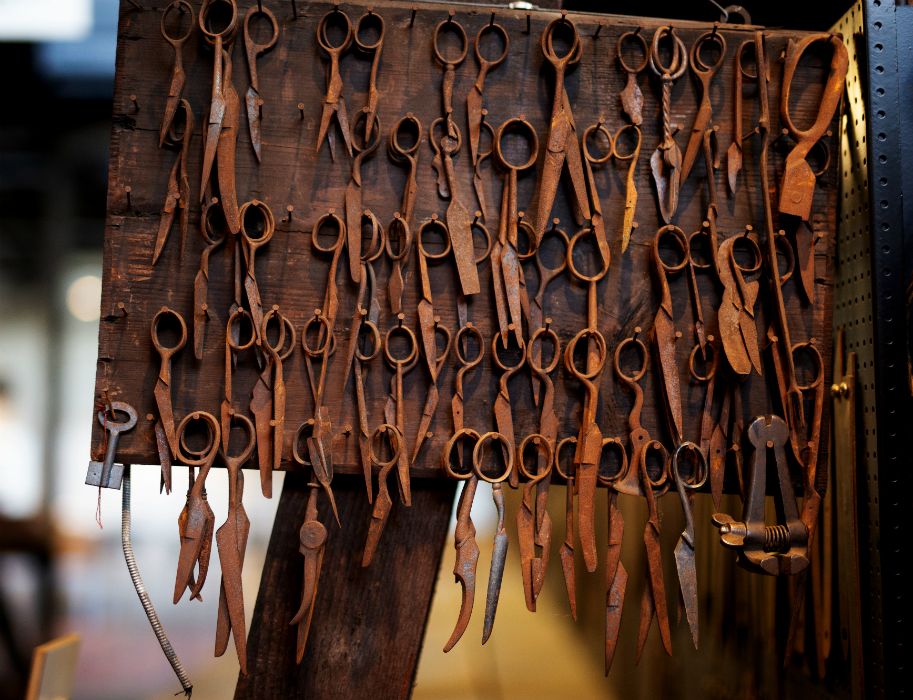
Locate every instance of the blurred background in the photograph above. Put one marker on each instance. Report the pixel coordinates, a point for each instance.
(61, 567)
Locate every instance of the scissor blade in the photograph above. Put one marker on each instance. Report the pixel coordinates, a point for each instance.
(498, 559)
(467, 559)
(474, 118)
(424, 425)
(459, 223)
(717, 464)
(162, 394)
(382, 506)
(656, 585)
(261, 405)
(227, 543)
(209, 148)
(548, 188)
(167, 218)
(687, 580)
(325, 117)
(171, 105)
(749, 333)
(664, 335)
(253, 119)
(615, 599)
(805, 259)
(733, 165)
(526, 542)
(696, 139)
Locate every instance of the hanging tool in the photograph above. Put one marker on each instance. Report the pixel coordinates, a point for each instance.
(741, 73)
(589, 438)
(383, 503)
(797, 188)
(368, 22)
(666, 161)
(196, 521)
(355, 211)
(534, 527)
(178, 76)
(235, 344)
(509, 356)
(108, 474)
(334, 102)
(257, 228)
(253, 49)
(164, 426)
(562, 145)
(566, 551)
(736, 315)
(705, 71)
(231, 539)
(632, 99)
(400, 229)
(214, 235)
(178, 193)
(401, 360)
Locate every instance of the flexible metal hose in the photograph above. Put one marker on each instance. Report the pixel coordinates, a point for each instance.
(140, 587)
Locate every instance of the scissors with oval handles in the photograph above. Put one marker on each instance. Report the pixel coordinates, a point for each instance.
(334, 102)
(383, 504)
(401, 354)
(631, 97)
(178, 75)
(370, 22)
(705, 70)
(253, 99)
(177, 198)
(399, 232)
(166, 434)
(355, 212)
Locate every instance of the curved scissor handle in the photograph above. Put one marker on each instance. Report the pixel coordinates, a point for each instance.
(659, 485)
(547, 44)
(302, 459)
(450, 24)
(699, 263)
(478, 226)
(331, 217)
(451, 139)
(709, 361)
(680, 241)
(570, 352)
(244, 455)
(613, 444)
(698, 476)
(679, 60)
(411, 357)
(448, 453)
(234, 338)
(521, 350)
(328, 345)
(546, 274)
(809, 347)
(287, 340)
(740, 62)
(540, 443)
(184, 6)
(595, 129)
(255, 48)
(531, 246)
(492, 28)
(256, 213)
(434, 223)
(572, 266)
(359, 145)
(507, 449)
(399, 225)
(460, 343)
(833, 90)
(364, 22)
(700, 67)
(323, 39)
(377, 242)
(638, 374)
(226, 34)
(208, 226)
(368, 329)
(516, 125)
(783, 249)
(560, 448)
(545, 333)
(394, 440)
(639, 40)
(166, 351)
(213, 440)
(397, 151)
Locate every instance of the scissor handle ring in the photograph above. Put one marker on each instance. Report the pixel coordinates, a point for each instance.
(508, 450)
(370, 15)
(638, 39)
(372, 332)
(458, 349)
(269, 223)
(447, 453)
(288, 338)
(546, 274)
(304, 461)
(377, 242)
(176, 42)
(529, 231)
(365, 148)
(174, 137)
(477, 225)
(248, 426)
(323, 38)
(701, 471)
(681, 241)
(784, 248)
(107, 420)
(405, 238)
(546, 43)
(598, 128)
(411, 356)
(516, 125)
(808, 347)
(521, 347)
(206, 226)
(636, 376)
(226, 34)
(572, 243)
(698, 65)
(396, 444)
(540, 335)
(821, 145)
(452, 24)
(453, 143)
(757, 259)
(696, 263)
(569, 441)
(505, 39)
(484, 125)
(740, 65)
(617, 446)
(709, 364)
(679, 61)
(230, 337)
(258, 9)
(840, 56)
(330, 216)
(429, 224)
(441, 356)
(208, 453)
(395, 147)
(635, 149)
(164, 350)
(541, 443)
(658, 485)
(570, 352)
(326, 347)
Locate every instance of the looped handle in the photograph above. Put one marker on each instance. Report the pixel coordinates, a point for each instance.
(461, 343)
(177, 41)
(249, 429)
(233, 331)
(323, 38)
(396, 149)
(613, 444)
(368, 329)
(304, 431)
(267, 221)
(570, 353)
(679, 60)
(547, 44)
(521, 350)
(541, 443)
(433, 223)
(448, 453)
(595, 129)
(364, 23)
(285, 343)
(698, 476)
(228, 33)
(208, 453)
(258, 9)
(452, 25)
(698, 64)
(322, 325)
(637, 375)
(516, 125)
(334, 219)
(659, 485)
(709, 362)
(507, 449)
(411, 356)
(638, 39)
(163, 350)
(394, 439)
(680, 241)
(809, 348)
(540, 335)
(560, 449)
(492, 28)
(572, 266)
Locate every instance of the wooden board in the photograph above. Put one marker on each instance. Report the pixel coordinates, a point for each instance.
(292, 173)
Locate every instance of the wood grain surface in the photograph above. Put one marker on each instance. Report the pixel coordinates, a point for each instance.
(292, 173)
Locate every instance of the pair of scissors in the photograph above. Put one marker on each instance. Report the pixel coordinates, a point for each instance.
(742, 73)
(231, 539)
(236, 342)
(196, 521)
(562, 146)
(257, 228)
(383, 504)
(400, 229)
(797, 187)
(509, 356)
(592, 343)
(214, 233)
(169, 336)
(334, 102)
(705, 69)
(736, 316)
(369, 39)
(355, 211)
(178, 192)
(220, 142)
(401, 355)
(566, 551)
(632, 99)
(268, 397)
(617, 153)
(253, 49)
(178, 75)
(666, 161)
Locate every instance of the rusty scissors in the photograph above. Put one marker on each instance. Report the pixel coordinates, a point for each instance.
(399, 232)
(631, 97)
(334, 102)
(177, 196)
(167, 345)
(253, 49)
(355, 211)
(475, 114)
(178, 75)
(383, 504)
(705, 70)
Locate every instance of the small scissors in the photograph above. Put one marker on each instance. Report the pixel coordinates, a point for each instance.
(355, 210)
(632, 99)
(474, 113)
(231, 539)
(383, 504)
(449, 65)
(400, 229)
(253, 49)
(534, 526)
(162, 390)
(178, 194)
(741, 74)
(368, 21)
(214, 236)
(334, 103)
(395, 408)
(566, 551)
(705, 72)
(508, 355)
(562, 145)
(196, 522)
(736, 316)
(257, 228)
(545, 275)
(178, 76)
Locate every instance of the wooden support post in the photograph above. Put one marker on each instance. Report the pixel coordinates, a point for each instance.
(369, 623)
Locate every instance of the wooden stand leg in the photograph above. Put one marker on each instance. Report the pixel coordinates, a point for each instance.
(369, 623)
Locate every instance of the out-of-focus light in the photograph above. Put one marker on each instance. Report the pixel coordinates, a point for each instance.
(84, 298)
(45, 20)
